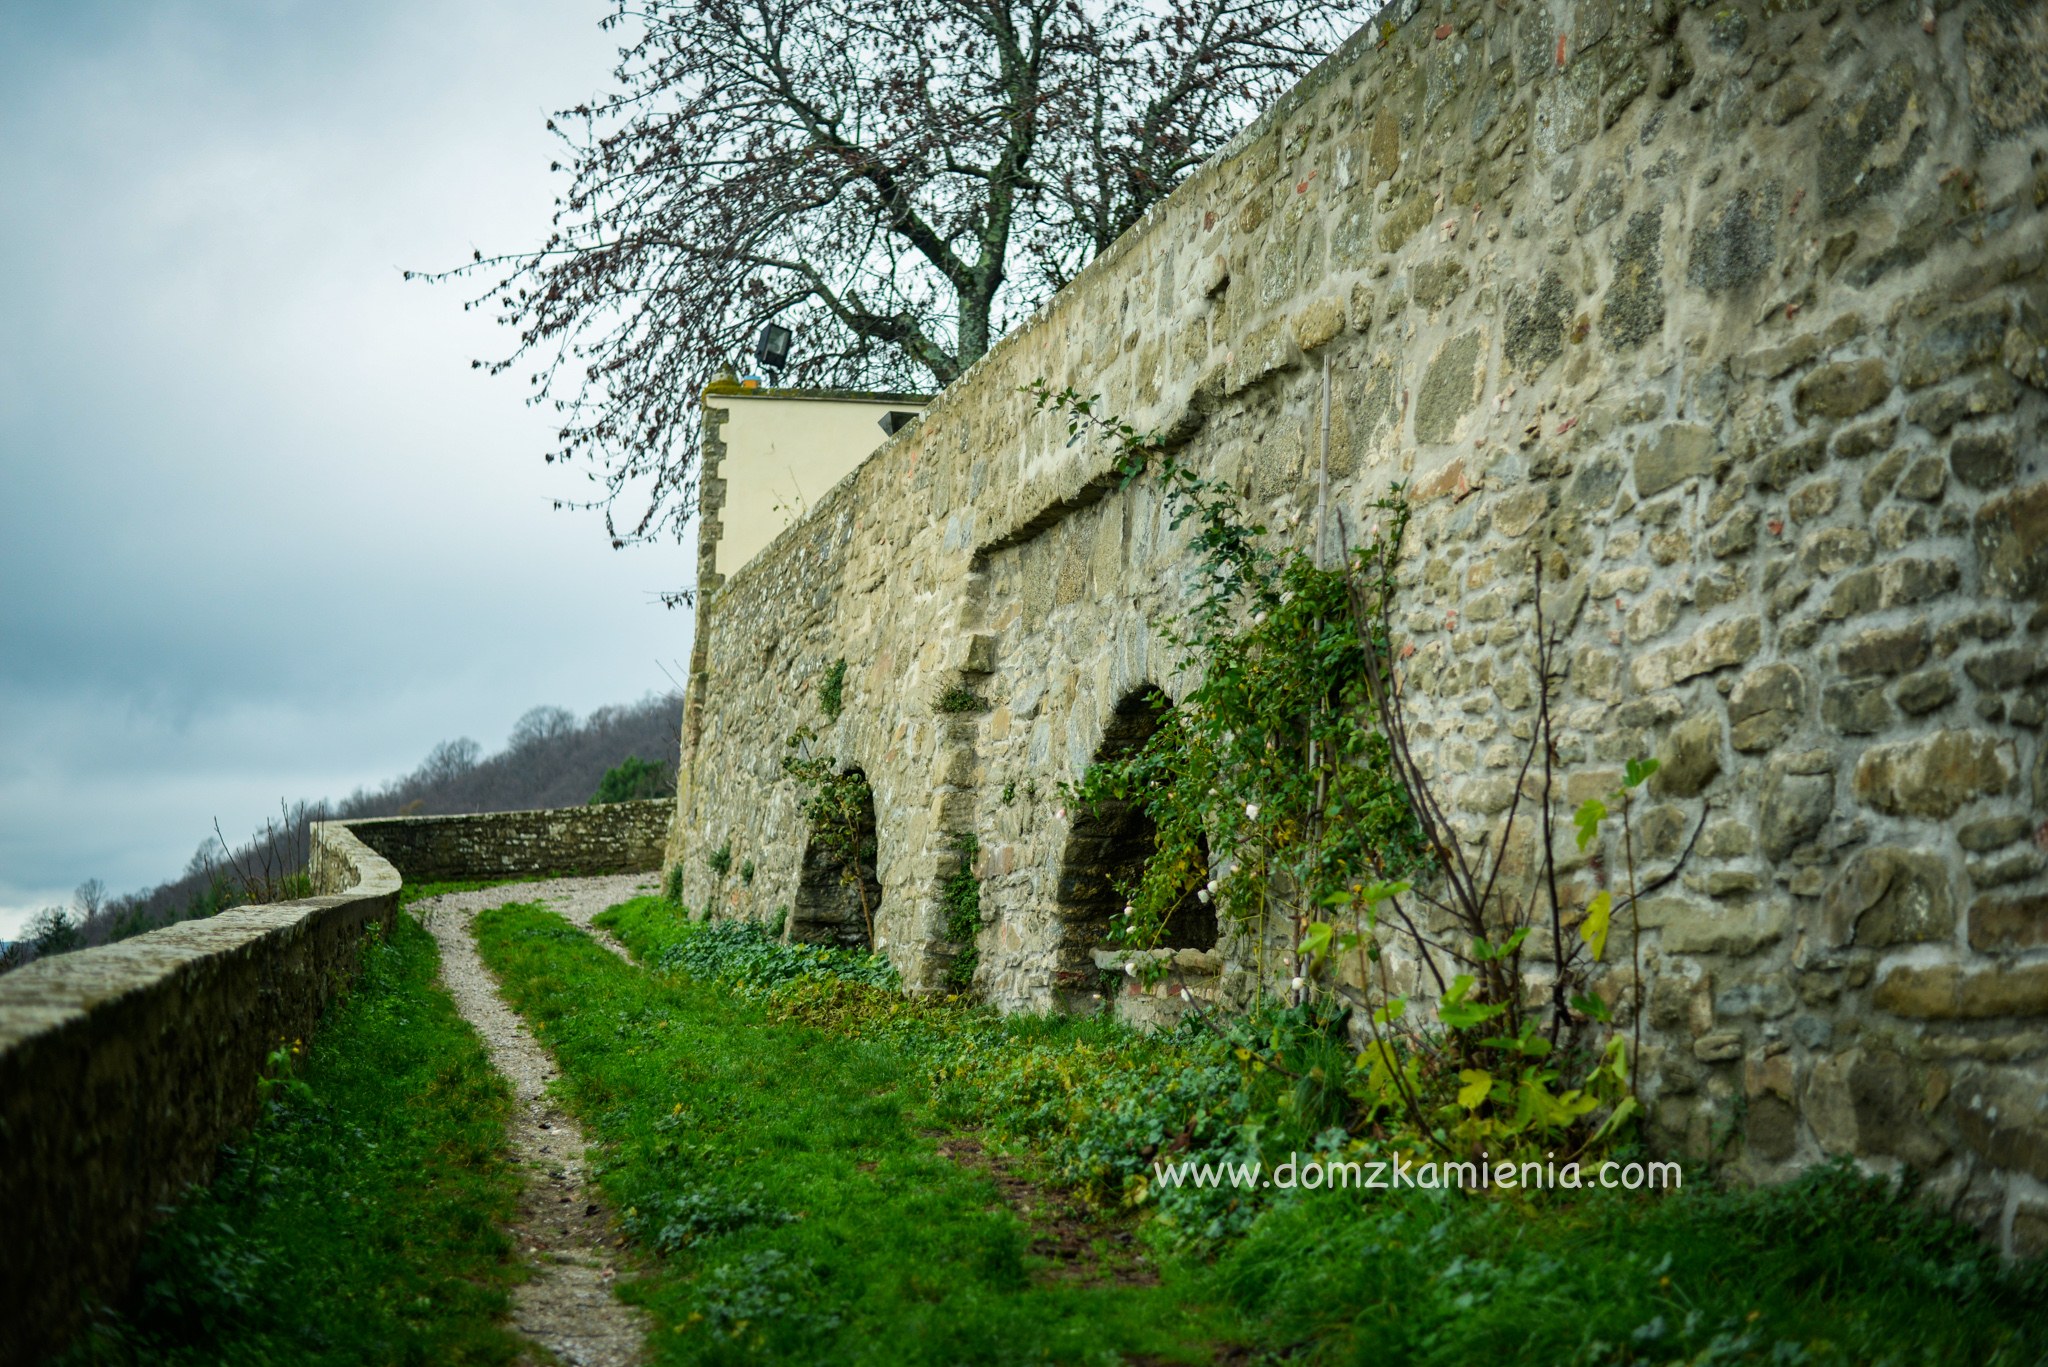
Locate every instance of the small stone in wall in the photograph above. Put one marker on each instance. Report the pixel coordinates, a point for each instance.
(1939, 410)
(1450, 388)
(2005, 50)
(1992, 833)
(1892, 1095)
(1854, 443)
(1691, 758)
(2006, 1120)
(1857, 708)
(1682, 451)
(1925, 480)
(1883, 650)
(1841, 389)
(1926, 691)
(1714, 647)
(1317, 323)
(1764, 707)
(2009, 921)
(1984, 460)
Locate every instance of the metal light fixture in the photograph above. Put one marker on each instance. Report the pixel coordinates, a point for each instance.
(772, 351)
(895, 420)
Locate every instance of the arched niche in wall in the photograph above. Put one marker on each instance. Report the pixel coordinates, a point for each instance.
(838, 892)
(1106, 851)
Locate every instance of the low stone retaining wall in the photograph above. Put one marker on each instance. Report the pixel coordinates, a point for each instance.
(123, 1069)
(613, 837)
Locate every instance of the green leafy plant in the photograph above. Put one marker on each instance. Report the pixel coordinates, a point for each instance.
(720, 859)
(839, 809)
(832, 689)
(751, 958)
(632, 779)
(962, 899)
(958, 697)
(1284, 786)
(747, 872)
(1269, 782)
(672, 885)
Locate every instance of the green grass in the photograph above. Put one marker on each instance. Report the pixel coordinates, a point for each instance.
(1835, 1268)
(359, 1221)
(1832, 1268)
(785, 1184)
(767, 1120)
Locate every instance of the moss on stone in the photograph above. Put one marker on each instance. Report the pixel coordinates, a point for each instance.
(1635, 303)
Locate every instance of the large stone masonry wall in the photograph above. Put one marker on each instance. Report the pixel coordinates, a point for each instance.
(123, 1069)
(1737, 316)
(611, 837)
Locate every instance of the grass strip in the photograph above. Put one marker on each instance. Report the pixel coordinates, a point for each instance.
(359, 1220)
(787, 1186)
(1836, 1267)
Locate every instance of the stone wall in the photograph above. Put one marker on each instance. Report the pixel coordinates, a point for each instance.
(123, 1069)
(611, 837)
(1737, 316)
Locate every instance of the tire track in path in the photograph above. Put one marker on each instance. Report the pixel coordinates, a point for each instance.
(562, 1228)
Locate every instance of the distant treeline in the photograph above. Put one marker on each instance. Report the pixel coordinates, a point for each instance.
(550, 760)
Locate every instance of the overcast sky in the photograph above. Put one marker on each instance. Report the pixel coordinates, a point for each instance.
(263, 533)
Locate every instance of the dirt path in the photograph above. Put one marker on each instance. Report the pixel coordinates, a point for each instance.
(1079, 1247)
(567, 1307)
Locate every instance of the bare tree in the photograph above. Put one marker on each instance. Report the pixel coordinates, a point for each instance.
(90, 898)
(896, 182)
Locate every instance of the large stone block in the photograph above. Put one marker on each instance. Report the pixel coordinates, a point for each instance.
(1690, 759)
(1872, 137)
(1682, 451)
(2009, 921)
(2005, 1119)
(1450, 388)
(1793, 804)
(1935, 775)
(1888, 896)
(1718, 646)
(2012, 543)
(1950, 993)
(1842, 390)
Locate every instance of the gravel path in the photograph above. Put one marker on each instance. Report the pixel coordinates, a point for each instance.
(567, 1307)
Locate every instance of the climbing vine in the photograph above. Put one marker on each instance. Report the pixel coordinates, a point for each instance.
(1268, 783)
(837, 809)
(962, 898)
(1283, 787)
(832, 689)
